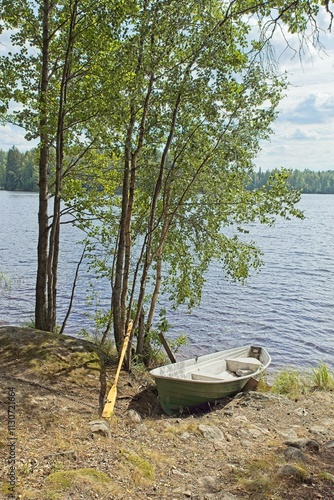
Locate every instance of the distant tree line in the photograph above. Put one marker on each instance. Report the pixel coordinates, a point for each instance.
(19, 171)
(306, 181)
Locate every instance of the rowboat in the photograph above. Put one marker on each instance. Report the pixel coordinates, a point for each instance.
(204, 379)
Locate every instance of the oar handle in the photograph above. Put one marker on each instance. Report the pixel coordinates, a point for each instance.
(123, 351)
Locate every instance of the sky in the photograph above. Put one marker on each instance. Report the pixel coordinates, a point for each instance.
(304, 131)
(303, 135)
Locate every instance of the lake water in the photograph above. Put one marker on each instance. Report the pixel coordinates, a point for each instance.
(288, 306)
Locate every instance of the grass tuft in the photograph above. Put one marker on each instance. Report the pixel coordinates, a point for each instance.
(291, 382)
(322, 377)
(258, 480)
(145, 468)
(326, 476)
(78, 480)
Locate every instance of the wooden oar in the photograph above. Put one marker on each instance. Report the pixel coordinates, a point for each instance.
(109, 406)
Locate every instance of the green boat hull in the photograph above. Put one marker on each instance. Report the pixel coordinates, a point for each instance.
(175, 396)
(190, 383)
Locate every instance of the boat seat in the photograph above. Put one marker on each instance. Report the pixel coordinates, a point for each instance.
(214, 377)
(234, 364)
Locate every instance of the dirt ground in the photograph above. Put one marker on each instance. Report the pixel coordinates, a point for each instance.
(255, 445)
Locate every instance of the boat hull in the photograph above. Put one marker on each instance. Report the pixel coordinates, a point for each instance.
(175, 396)
(190, 383)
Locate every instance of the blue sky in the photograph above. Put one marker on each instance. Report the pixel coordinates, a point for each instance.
(304, 131)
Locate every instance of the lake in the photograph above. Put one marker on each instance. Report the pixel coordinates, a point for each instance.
(288, 306)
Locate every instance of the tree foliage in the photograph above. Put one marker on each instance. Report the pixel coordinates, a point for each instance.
(18, 171)
(13, 169)
(150, 115)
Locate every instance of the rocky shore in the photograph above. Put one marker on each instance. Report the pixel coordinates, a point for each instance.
(257, 445)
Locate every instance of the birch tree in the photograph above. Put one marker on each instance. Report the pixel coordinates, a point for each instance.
(197, 101)
(52, 70)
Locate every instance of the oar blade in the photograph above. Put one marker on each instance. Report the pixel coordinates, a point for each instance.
(109, 406)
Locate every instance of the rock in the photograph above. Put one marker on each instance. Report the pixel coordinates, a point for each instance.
(258, 431)
(134, 416)
(227, 496)
(288, 434)
(304, 444)
(293, 471)
(294, 454)
(228, 412)
(219, 445)
(301, 412)
(100, 427)
(209, 484)
(329, 444)
(312, 445)
(211, 432)
(319, 430)
(254, 432)
(241, 418)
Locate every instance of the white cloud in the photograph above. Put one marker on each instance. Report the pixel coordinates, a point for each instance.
(14, 136)
(310, 108)
(301, 135)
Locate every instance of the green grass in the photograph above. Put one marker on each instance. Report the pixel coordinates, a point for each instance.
(326, 476)
(78, 481)
(289, 382)
(322, 377)
(145, 467)
(293, 382)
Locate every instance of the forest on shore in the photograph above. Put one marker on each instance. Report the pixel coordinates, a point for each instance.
(19, 172)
